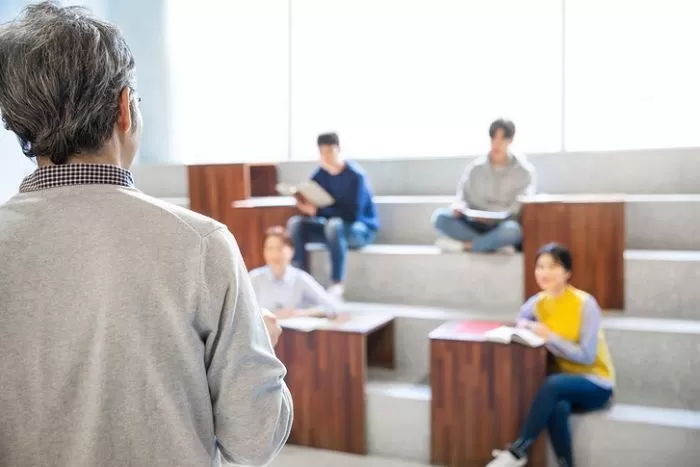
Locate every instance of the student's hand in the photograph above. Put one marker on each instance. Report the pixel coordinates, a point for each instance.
(285, 313)
(540, 329)
(307, 208)
(457, 209)
(274, 330)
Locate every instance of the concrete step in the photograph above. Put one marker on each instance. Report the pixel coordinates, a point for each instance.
(658, 284)
(669, 222)
(656, 361)
(297, 456)
(398, 421)
(655, 171)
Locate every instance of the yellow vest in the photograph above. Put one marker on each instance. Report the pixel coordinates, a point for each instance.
(563, 315)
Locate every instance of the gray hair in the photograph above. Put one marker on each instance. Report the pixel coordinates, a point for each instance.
(61, 73)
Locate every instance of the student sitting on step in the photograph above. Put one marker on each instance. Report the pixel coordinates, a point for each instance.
(350, 223)
(485, 215)
(284, 289)
(569, 320)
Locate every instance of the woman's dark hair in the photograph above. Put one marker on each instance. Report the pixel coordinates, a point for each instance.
(279, 232)
(328, 139)
(559, 253)
(507, 126)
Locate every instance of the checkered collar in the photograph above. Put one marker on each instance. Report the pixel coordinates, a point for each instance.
(54, 176)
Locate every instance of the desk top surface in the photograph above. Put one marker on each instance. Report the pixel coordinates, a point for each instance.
(360, 324)
(451, 330)
(265, 201)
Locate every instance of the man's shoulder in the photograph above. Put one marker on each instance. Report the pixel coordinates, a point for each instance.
(169, 214)
(521, 163)
(355, 168)
(478, 163)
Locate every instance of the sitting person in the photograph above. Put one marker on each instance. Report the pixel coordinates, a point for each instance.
(284, 289)
(350, 223)
(490, 184)
(569, 320)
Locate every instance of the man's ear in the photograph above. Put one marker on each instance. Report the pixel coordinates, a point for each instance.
(124, 121)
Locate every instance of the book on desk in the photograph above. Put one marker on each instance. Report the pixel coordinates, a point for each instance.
(492, 331)
(309, 191)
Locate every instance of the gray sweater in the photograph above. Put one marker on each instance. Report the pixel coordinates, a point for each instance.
(488, 188)
(130, 336)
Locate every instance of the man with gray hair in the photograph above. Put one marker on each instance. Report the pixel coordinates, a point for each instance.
(130, 332)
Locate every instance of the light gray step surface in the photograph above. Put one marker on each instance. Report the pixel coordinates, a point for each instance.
(657, 361)
(658, 284)
(669, 222)
(663, 171)
(645, 171)
(297, 456)
(398, 425)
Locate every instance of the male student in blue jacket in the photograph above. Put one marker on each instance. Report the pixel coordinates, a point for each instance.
(350, 223)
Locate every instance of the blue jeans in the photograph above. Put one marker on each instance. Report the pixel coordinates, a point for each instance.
(483, 237)
(337, 235)
(556, 399)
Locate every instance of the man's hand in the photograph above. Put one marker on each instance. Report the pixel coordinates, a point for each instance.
(458, 208)
(307, 208)
(274, 330)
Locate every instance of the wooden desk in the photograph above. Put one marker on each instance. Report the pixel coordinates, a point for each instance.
(593, 228)
(482, 392)
(212, 188)
(326, 374)
(249, 219)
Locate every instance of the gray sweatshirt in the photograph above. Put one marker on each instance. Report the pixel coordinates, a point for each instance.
(130, 336)
(488, 188)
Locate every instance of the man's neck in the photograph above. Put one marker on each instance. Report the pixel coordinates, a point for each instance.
(501, 161)
(334, 168)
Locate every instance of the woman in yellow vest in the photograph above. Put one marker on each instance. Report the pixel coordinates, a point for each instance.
(569, 320)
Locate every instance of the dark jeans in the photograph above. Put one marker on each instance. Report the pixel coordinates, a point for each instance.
(557, 398)
(338, 236)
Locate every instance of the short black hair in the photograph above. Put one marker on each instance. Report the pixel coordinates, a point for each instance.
(328, 139)
(559, 253)
(507, 126)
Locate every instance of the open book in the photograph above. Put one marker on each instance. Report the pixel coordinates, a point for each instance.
(491, 215)
(506, 335)
(309, 190)
(305, 323)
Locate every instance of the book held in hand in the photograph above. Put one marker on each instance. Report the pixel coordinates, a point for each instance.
(507, 335)
(309, 190)
(490, 215)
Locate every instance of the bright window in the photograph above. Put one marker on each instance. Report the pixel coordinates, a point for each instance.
(632, 74)
(417, 78)
(230, 80)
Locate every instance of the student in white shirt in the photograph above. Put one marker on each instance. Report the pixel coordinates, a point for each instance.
(285, 290)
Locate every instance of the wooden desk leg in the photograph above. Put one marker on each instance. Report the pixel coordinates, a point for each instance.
(481, 395)
(326, 373)
(380, 347)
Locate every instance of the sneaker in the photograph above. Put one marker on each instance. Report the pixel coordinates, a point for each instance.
(337, 291)
(449, 245)
(506, 459)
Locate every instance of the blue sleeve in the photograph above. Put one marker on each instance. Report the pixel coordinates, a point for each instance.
(527, 311)
(585, 351)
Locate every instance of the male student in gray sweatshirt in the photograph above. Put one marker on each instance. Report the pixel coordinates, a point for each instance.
(485, 215)
(130, 334)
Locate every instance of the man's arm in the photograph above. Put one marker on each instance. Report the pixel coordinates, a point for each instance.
(315, 296)
(526, 187)
(251, 404)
